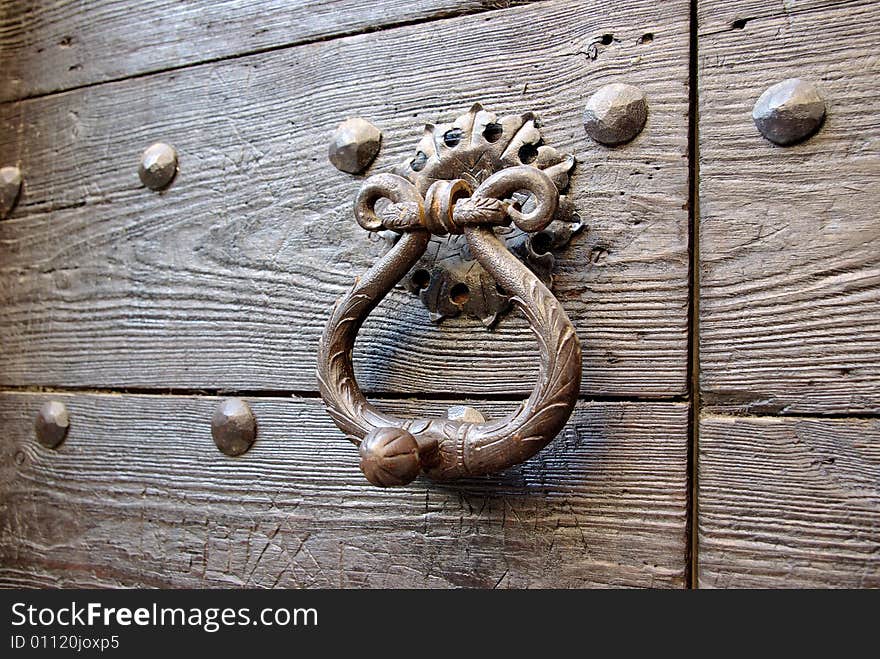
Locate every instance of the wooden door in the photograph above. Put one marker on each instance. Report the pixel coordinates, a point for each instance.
(142, 310)
(789, 331)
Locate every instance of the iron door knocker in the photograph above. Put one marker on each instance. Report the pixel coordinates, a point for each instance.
(463, 180)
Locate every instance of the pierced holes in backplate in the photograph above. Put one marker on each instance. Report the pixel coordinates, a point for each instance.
(421, 278)
(459, 293)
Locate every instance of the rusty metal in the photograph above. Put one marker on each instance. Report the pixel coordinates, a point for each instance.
(10, 189)
(158, 166)
(233, 426)
(392, 456)
(615, 114)
(354, 145)
(52, 423)
(449, 281)
(456, 184)
(789, 112)
(447, 278)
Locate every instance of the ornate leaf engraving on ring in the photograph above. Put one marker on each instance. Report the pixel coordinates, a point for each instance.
(468, 193)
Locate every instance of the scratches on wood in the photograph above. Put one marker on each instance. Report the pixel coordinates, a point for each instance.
(789, 502)
(789, 239)
(51, 46)
(139, 496)
(225, 280)
(789, 319)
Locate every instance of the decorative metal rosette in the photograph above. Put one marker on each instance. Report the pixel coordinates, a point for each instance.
(448, 280)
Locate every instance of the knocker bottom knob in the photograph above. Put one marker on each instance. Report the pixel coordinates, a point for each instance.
(392, 456)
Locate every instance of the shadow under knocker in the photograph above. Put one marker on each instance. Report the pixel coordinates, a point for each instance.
(393, 450)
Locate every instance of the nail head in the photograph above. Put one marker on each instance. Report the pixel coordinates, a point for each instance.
(52, 423)
(354, 145)
(789, 111)
(233, 426)
(615, 114)
(465, 414)
(158, 166)
(10, 189)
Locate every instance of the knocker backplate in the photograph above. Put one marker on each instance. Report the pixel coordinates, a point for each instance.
(447, 279)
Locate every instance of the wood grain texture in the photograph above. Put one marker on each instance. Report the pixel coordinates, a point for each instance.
(789, 237)
(226, 280)
(789, 503)
(47, 46)
(139, 496)
(714, 16)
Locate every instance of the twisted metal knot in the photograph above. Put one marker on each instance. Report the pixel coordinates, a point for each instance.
(449, 206)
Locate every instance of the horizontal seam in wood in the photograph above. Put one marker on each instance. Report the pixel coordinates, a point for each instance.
(712, 412)
(439, 16)
(311, 394)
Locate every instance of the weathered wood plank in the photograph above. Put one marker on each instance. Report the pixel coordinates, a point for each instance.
(139, 496)
(48, 46)
(226, 280)
(716, 16)
(789, 237)
(789, 502)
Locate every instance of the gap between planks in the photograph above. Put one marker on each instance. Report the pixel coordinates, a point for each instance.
(313, 394)
(711, 411)
(693, 356)
(441, 15)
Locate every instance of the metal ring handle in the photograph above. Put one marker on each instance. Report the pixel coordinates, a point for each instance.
(394, 451)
